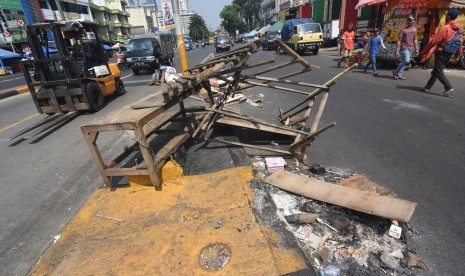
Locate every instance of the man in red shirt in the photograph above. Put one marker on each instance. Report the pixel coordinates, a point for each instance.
(348, 37)
(439, 40)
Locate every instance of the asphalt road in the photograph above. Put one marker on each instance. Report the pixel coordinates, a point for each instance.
(43, 185)
(408, 141)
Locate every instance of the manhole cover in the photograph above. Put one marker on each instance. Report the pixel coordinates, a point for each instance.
(214, 256)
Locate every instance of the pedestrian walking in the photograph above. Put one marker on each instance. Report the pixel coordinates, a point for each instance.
(340, 42)
(406, 42)
(373, 44)
(445, 44)
(348, 38)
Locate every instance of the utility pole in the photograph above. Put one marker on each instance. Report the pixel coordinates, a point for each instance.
(180, 37)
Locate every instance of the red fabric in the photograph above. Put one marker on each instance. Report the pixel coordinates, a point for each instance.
(306, 11)
(444, 35)
(348, 14)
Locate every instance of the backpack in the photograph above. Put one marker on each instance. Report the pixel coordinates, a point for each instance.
(453, 45)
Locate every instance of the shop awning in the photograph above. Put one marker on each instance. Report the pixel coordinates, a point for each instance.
(277, 27)
(7, 54)
(457, 4)
(364, 3)
(264, 29)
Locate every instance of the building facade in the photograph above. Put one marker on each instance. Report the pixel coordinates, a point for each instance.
(268, 11)
(185, 16)
(143, 18)
(290, 9)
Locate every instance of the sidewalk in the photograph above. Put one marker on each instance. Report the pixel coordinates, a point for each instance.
(13, 91)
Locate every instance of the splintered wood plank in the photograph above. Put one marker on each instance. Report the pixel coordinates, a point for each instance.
(255, 125)
(383, 206)
(360, 182)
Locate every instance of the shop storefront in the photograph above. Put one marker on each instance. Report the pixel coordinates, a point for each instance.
(391, 17)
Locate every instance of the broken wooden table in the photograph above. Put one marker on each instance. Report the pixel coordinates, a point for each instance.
(143, 122)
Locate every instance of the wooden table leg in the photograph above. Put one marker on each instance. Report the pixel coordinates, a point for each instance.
(91, 140)
(148, 156)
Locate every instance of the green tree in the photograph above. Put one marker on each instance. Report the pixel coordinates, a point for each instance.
(249, 10)
(231, 21)
(197, 28)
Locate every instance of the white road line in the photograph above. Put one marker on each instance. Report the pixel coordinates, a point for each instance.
(127, 76)
(316, 66)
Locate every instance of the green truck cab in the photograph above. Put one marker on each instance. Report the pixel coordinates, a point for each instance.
(302, 35)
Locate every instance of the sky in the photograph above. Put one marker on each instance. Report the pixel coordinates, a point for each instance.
(208, 9)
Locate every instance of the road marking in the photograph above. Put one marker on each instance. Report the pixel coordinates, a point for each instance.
(127, 76)
(13, 97)
(11, 79)
(19, 122)
(316, 66)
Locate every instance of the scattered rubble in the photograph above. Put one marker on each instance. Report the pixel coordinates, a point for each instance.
(362, 244)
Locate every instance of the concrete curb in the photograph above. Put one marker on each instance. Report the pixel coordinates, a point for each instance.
(14, 91)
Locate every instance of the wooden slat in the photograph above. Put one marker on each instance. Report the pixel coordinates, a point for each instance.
(383, 206)
(248, 146)
(125, 171)
(253, 120)
(254, 125)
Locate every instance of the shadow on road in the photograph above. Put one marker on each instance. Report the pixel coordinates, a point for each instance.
(417, 89)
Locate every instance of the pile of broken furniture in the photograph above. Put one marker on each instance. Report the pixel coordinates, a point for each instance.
(153, 117)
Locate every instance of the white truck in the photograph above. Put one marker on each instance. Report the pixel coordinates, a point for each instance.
(330, 32)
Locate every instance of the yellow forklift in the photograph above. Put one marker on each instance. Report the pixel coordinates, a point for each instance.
(67, 72)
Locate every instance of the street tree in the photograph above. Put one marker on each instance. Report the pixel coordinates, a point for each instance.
(249, 11)
(197, 28)
(231, 21)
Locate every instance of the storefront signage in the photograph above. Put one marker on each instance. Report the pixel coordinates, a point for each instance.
(11, 5)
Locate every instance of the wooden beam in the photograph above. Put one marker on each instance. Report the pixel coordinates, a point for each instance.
(275, 87)
(383, 206)
(248, 146)
(317, 91)
(291, 52)
(284, 81)
(262, 123)
(309, 139)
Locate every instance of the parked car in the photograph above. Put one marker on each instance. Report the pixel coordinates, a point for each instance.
(240, 39)
(188, 43)
(222, 43)
(149, 52)
(268, 44)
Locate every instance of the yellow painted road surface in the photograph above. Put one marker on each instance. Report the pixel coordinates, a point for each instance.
(141, 231)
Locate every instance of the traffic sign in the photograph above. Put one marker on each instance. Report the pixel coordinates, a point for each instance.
(8, 39)
(6, 34)
(12, 23)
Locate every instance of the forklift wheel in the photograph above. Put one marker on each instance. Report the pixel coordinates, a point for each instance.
(95, 96)
(120, 90)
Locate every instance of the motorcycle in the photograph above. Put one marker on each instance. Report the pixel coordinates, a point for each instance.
(203, 44)
(121, 61)
(197, 45)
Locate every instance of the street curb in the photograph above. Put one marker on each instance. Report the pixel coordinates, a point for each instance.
(14, 91)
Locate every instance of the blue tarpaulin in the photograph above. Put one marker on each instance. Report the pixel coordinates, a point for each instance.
(107, 48)
(51, 50)
(288, 26)
(7, 54)
(4, 54)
